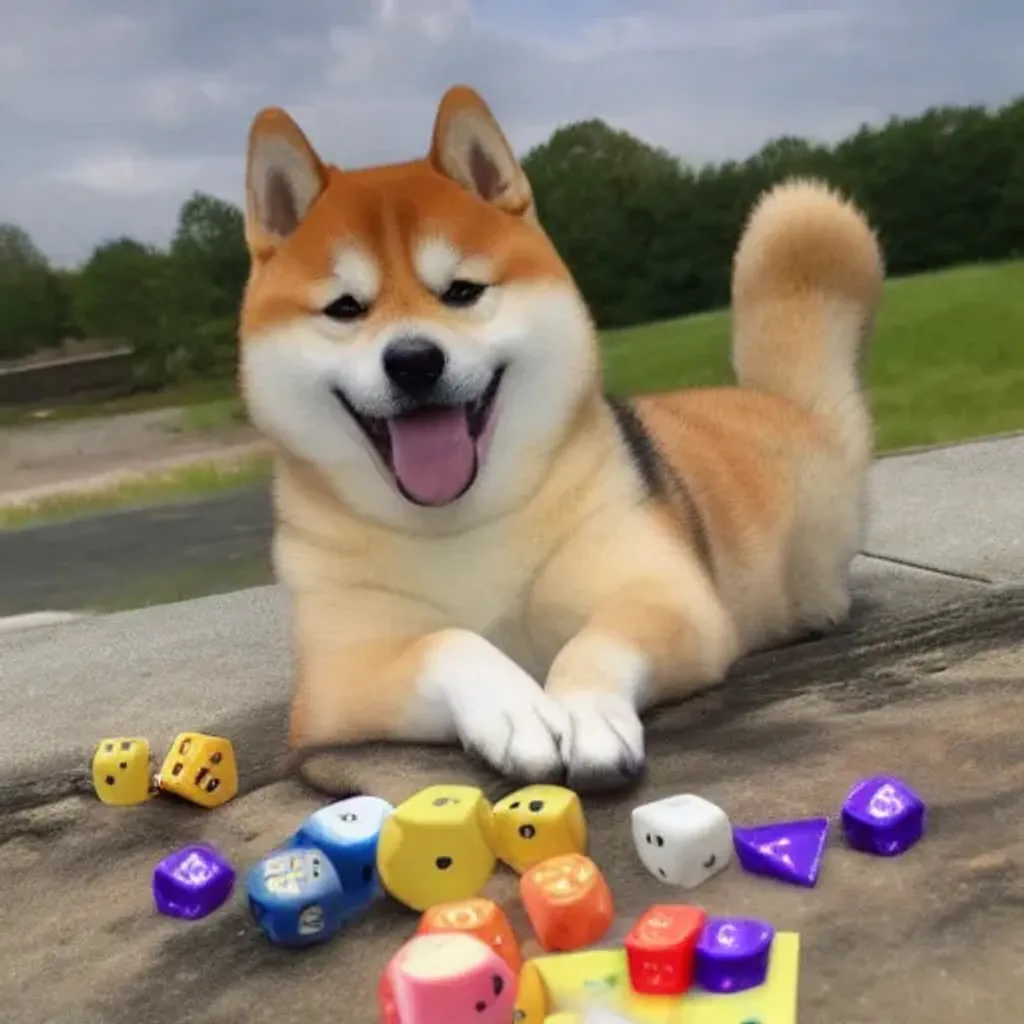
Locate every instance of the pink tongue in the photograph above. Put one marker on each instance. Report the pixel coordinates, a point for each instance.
(432, 454)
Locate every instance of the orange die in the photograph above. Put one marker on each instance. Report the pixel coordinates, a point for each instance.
(660, 949)
(567, 901)
(481, 918)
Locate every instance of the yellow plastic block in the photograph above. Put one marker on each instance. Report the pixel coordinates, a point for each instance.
(537, 823)
(201, 769)
(121, 772)
(573, 981)
(436, 847)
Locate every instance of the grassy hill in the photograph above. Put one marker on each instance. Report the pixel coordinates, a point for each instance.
(947, 364)
(947, 361)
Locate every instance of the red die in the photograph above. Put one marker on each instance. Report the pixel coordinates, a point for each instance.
(660, 949)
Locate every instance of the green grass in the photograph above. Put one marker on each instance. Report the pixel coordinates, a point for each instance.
(187, 396)
(195, 481)
(946, 363)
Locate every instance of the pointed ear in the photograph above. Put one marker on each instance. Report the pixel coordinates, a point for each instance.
(284, 177)
(469, 147)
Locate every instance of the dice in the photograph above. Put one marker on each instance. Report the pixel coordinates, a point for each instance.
(532, 1002)
(733, 954)
(121, 772)
(201, 769)
(660, 949)
(567, 901)
(569, 981)
(192, 882)
(537, 823)
(436, 847)
(296, 897)
(481, 918)
(883, 816)
(447, 977)
(682, 840)
(347, 832)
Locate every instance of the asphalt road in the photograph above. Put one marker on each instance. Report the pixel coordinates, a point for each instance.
(139, 556)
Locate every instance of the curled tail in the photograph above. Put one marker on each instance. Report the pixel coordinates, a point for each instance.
(807, 280)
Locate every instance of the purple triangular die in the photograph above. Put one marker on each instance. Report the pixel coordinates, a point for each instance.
(790, 851)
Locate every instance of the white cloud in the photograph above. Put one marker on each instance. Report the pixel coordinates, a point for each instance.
(113, 111)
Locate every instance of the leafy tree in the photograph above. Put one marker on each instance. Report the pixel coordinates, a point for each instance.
(207, 268)
(121, 295)
(34, 309)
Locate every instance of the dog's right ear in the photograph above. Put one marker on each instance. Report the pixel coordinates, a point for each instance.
(284, 177)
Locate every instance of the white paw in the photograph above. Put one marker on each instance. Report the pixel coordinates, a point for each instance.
(516, 733)
(603, 745)
(498, 710)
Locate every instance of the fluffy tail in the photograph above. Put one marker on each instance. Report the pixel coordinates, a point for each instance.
(807, 279)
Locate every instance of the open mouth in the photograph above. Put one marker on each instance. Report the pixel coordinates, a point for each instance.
(433, 452)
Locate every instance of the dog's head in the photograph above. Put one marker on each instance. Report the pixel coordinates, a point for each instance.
(409, 329)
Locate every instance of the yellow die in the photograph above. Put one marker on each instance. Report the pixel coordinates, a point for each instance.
(120, 771)
(532, 1002)
(201, 769)
(563, 1018)
(435, 847)
(536, 823)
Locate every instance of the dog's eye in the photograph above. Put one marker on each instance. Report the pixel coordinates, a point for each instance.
(462, 293)
(346, 307)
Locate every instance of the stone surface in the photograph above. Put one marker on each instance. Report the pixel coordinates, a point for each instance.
(924, 684)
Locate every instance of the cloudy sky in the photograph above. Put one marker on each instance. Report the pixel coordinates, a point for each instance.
(112, 111)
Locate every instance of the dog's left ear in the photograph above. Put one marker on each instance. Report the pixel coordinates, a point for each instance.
(470, 148)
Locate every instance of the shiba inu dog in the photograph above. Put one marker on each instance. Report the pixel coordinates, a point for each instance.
(480, 547)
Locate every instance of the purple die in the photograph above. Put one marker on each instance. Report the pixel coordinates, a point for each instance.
(883, 815)
(790, 851)
(192, 882)
(733, 954)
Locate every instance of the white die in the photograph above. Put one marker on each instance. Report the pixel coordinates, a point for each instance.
(682, 840)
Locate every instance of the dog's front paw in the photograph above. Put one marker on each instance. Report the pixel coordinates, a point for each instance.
(602, 747)
(517, 733)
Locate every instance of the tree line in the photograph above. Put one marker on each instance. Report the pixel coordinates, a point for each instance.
(646, 235)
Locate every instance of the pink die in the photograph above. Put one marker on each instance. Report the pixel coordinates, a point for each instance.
(446, 977)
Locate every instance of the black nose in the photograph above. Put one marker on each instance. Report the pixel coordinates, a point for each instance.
(414, 365)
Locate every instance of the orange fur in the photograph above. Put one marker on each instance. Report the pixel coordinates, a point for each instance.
(616, 570)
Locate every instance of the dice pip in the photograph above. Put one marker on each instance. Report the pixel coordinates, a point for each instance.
(348, 831)
(192, 882)
(446, 977)
(201, 769)
(481, 918)
(660, 949)
(296, 897)
(682, 840)
(537, 823)
(436, 847)
(121, 772)
(567, 901)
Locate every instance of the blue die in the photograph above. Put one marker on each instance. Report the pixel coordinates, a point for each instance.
(347, 832)
(296, 897)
